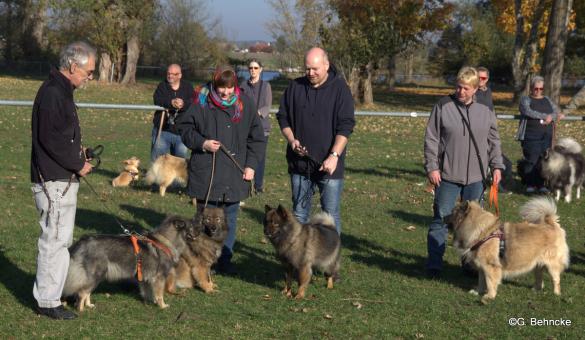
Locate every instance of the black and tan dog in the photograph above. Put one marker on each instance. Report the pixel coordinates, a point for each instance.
(203, 251)
(98, 258)
(302, 247)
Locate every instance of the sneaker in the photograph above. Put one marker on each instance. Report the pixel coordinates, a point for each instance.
(57, 313)
(434, 274)
(530, 190)
(543, 190)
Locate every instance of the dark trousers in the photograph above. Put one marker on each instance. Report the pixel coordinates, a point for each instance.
(532, 149)
(259, 173)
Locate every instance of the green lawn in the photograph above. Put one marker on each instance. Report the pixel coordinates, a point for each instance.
(384, 293)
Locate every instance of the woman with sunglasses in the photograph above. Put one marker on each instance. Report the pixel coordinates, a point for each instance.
(261, 94)
(535, 132)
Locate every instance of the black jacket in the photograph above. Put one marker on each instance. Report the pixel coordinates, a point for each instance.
(56, 136)
(244, 139)
(316, 116)
(162, 97)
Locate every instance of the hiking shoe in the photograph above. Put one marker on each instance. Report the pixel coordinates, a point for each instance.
(530, 190)
(543, 190)
(57, 313)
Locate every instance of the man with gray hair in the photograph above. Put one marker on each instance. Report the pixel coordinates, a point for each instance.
(57, 162)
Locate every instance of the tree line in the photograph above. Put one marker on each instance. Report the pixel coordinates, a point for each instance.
(520, 38)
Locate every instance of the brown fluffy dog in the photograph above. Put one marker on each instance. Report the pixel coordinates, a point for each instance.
(203, 251)
(165, 170)
(532, 245)
(300, 247)
(129, 174)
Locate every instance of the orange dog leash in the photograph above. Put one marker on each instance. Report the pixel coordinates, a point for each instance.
(493, 199)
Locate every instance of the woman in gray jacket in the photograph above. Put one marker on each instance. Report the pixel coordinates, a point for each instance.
(535, 132)
(452, 162)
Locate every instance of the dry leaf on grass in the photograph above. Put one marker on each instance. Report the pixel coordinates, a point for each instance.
(357, 305)
(410, 228)
(328, 316)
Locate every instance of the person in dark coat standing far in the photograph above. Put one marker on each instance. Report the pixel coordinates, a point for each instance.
(175, 95)
(261, 93)
(484, 96)
(316, 116)
(57, 162)
(221, 116)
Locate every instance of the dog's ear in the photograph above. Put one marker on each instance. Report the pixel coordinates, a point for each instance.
(282, 211)
(267, 208)
(180, 224)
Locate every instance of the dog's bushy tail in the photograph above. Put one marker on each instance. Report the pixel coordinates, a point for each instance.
(324, 219)
(151, 175)
(569, 144)
(540, 210)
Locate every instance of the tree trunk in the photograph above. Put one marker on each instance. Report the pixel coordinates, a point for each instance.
(409, 67)
(354, 84)
(554, 52)
(105, 68)
(34, 18)
(525, 50)
(132, 54)
(367, 94)
(391, 78)
(9, 31)
(577, 100)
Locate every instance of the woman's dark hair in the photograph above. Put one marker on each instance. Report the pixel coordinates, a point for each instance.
(224, 77)
(254, 60)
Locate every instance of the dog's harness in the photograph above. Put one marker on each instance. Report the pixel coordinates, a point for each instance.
(496, 234)
(134, 239)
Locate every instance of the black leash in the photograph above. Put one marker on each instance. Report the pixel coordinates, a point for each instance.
(312, 163)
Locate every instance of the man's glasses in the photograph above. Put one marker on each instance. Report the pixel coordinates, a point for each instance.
(173, 74)
(88, 74)
(254, 67)
(538, 88)
(483, 78)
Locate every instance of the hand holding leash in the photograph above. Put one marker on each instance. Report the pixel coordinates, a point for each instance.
(211, 145)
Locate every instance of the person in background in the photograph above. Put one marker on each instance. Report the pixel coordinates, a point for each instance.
(452, 162)
(222, 117)
(316, 116)
(175, 95)
(535, 132)
(261, 94)
(484, 96)
(57, 162)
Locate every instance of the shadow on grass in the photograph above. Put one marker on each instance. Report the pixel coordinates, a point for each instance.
(105, 223)
(577, 259)
(259, 266)
(17, 282)
(411, 218)
(375, 255)
(388, 172)
(148, 216)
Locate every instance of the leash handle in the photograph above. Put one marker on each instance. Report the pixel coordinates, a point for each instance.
(493, 199)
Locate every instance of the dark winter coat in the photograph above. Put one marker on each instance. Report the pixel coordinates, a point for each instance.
(316, 116)
(56, 135)
(244, 139)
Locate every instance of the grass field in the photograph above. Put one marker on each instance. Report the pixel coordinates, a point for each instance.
(385, 213)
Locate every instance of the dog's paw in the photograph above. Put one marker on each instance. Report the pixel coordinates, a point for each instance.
(485, 300)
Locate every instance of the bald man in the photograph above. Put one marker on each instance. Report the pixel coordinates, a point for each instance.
(175, 95)
(316, 116)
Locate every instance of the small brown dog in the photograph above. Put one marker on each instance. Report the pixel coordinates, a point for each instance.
(203, 251)
(130, 173)
(535, 244)
(165, 170)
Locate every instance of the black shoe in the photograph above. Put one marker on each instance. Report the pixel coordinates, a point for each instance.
(224, 263)
(259, 190)
(57, 313)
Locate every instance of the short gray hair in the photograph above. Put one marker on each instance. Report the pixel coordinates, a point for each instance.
(77, 52)
(536, 79)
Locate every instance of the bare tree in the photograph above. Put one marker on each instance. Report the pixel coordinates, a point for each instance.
(525, 48)
(554, 52)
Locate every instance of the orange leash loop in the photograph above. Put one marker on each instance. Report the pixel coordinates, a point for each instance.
(138, 257)
(493, 199)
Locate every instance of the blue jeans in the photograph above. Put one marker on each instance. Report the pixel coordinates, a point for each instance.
(302, 195)
(168, 142)
(259, 173)
(446, 195)
(231, 216)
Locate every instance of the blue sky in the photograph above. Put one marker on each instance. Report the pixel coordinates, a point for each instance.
(242, 19)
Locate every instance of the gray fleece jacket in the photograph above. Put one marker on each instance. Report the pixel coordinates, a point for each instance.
(448, 146)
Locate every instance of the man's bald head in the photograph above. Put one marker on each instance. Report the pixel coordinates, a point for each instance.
(174, 74)
(316, 66)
